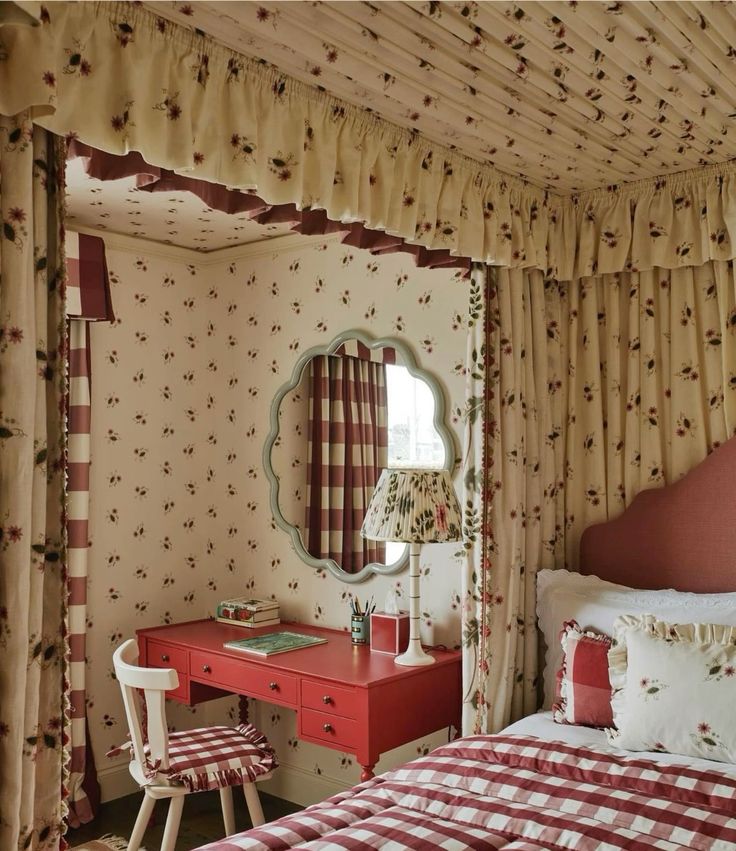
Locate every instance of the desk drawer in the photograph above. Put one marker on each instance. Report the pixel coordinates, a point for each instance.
(338, 732)
(328, 698)
(181, 692)
(159, 655)
(245, 678)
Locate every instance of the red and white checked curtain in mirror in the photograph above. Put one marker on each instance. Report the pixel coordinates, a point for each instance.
(347, 449)
(88, 300)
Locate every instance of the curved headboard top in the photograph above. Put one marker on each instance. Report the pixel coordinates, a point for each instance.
(682, 536)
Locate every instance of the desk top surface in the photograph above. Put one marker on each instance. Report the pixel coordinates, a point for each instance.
(339, 660)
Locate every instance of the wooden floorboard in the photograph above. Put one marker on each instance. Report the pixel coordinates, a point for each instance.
(201, 822)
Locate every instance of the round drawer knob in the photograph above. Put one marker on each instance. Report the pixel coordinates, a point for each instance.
(164, 657)
(327, 728)
(327, 699)
(273, 686)
(206, 669)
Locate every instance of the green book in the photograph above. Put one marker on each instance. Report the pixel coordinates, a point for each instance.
(274, 642)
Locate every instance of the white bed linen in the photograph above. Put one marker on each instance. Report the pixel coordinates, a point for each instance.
(542, 726)
(595, 604)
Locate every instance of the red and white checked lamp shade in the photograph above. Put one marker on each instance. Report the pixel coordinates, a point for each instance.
(417, 507)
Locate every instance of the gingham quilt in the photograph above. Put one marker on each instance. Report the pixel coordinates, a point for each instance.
(516, 793)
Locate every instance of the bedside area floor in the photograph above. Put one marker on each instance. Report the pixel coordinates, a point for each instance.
(201, 821)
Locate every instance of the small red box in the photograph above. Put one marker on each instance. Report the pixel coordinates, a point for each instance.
(389, 633)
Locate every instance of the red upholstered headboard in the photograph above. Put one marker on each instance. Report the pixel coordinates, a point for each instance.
(682, 536)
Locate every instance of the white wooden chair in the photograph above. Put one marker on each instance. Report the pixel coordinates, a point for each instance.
(171, 765)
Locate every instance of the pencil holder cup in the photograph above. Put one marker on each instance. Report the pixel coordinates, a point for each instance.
(359, 629)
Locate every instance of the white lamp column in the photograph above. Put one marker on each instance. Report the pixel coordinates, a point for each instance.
(417, 507)
(414, 654)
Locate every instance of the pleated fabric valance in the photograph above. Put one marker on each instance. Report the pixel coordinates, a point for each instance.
(120, 78)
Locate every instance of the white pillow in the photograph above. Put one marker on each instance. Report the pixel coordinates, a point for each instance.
(674, 687)
(595, 604)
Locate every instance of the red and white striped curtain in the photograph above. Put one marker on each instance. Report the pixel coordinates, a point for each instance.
(88, 300)
(347, 449)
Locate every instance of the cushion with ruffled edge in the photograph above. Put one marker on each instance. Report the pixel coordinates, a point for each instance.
(674, 687)
(583, 688)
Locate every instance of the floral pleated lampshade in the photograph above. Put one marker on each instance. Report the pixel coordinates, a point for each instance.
(415, 506)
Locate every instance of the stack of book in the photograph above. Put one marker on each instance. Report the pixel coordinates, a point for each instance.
(249, 612)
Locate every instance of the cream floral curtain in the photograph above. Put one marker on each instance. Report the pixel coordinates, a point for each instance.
(33, 712)
(121, 78)
(581, 395)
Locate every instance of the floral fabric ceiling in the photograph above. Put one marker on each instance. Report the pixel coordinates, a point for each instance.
(119, 77)
(174, 218)
(571, 96)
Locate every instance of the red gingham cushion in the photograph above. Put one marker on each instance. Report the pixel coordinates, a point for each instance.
(583, 686)
(215, 757)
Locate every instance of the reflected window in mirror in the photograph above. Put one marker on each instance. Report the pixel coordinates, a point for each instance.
(413, 440)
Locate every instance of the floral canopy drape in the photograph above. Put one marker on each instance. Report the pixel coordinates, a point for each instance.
(192, 106)
(582, 393)
(33, 705)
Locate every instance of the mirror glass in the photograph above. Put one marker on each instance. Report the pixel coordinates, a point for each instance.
(351, 409)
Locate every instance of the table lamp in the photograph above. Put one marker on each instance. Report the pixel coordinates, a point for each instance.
(417, 507)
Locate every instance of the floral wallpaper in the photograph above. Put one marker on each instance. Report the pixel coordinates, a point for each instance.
(182, 385)
(151, 526)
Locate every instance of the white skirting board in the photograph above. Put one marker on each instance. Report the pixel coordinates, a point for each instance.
(292, 783)
(115, 782)
(289, 782)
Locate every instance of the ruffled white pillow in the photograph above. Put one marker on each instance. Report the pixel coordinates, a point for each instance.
(674, 687)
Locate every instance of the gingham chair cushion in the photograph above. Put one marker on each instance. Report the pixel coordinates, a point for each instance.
(215, 757)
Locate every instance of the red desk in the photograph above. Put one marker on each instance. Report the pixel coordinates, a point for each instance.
(346, 697)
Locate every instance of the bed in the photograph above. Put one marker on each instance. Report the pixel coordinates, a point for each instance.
(539, 784)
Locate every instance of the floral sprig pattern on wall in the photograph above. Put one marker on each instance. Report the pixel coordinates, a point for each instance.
(182, 386)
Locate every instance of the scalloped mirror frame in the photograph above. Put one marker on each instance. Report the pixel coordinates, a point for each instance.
(446, 434)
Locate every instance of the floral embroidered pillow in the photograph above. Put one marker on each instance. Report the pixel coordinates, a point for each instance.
(674, 687)
(584, 689)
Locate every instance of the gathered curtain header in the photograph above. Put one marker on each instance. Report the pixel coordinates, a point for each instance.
(119, 78)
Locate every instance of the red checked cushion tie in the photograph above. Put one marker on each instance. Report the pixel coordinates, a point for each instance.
(213, 757)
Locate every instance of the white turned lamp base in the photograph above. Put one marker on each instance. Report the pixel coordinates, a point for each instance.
(414, 657)
(414, 654)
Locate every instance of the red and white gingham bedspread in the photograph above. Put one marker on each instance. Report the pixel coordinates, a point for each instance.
(516, 793)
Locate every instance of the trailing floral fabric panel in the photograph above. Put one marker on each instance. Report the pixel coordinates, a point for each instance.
(514, 502)
(594, 390)
(32, 562)
(193, 106)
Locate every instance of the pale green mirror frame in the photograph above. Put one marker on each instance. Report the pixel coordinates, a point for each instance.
(439, 421)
